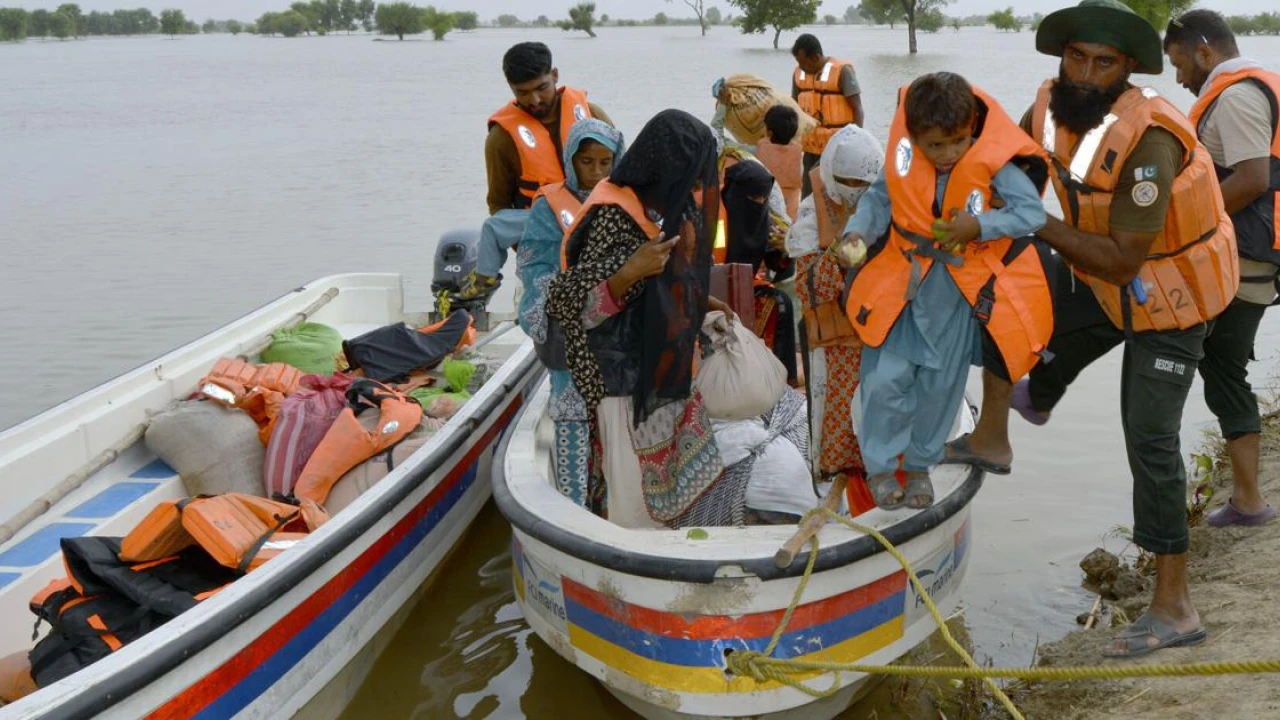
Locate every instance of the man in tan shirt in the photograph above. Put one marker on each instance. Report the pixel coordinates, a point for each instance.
(538, 115)
(1236, 113)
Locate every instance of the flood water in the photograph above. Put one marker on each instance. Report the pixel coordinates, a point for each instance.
(154, 189)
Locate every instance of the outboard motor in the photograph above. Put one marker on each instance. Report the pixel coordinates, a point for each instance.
(456, 255)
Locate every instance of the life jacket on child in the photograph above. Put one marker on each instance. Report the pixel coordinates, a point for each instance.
(563, 203)
(105, 602)
(1191, 272)
(347, 444)
(1003, 281)
(256, 389)
(539, 159)
(821, 98)
(785, 163)
(1258, 224)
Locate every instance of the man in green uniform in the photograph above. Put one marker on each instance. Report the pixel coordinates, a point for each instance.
(1101, 42)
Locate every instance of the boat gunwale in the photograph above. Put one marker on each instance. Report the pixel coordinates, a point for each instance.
(705, 571)
(89, 698)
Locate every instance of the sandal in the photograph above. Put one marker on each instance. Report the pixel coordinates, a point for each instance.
(886, 491)
(1137, 637)
(919, 491)
(958, 452)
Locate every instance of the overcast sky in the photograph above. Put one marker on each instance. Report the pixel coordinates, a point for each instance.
(250, 9)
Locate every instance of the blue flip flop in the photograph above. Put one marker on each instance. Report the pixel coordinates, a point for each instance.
(1137, 636)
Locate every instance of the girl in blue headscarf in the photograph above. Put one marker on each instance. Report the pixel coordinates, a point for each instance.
(589, 154)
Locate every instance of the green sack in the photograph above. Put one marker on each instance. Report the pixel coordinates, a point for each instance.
(311, 347)
(457, 373)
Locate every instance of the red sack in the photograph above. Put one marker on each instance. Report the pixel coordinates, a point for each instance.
(303, 420)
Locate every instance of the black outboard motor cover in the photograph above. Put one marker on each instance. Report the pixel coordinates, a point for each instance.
(456, 255)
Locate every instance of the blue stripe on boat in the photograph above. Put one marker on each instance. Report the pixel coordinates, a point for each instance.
(710, 653)
(155, 470)
(112, 500)
(6, 578)
(40, 545)
(271, 670)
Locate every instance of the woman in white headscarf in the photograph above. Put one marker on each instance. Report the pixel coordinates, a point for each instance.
(849, 164)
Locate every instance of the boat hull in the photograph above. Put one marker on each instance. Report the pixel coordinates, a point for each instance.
(278, 637)
(658, 641)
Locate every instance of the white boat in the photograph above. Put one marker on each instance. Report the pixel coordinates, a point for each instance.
(297, 635)
(653, 614)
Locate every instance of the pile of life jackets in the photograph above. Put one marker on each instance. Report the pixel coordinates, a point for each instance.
(184, 551)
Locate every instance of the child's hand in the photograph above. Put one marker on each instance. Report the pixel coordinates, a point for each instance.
(960, 231)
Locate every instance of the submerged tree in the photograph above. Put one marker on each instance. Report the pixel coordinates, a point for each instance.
(699, 8)
(1005, 20)
(882, 12)
(234, 27)
(466, 20)
(581, 17)
(917, 14)
(173, 22)
(399, 19)
(1158, 12)
(73, 14)
(13, 24)
(439, 23)
(758, 15)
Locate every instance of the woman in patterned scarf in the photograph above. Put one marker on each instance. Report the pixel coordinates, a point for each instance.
(592, 148)
(630, 308)
(849, 164)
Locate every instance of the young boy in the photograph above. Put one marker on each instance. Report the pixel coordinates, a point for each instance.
(781, 155)
(935, 298)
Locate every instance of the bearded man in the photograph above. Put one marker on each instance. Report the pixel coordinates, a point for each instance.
(1153, 253)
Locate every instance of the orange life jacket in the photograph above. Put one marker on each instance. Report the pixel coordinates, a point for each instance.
(347, 443)
(563, 203)
(785, 164)
(1258, 225)
(820, 97)
(606, 193)
(258, 390)
(239, 531)
(540, 162)
(1191, 272)
(1005, 285)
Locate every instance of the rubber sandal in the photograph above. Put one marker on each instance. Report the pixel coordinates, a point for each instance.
(958, 452)
(919, 491)
(1136, 638)
(1229, 514)
(883, 487)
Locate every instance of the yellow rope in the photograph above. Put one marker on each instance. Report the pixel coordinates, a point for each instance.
(761, 667)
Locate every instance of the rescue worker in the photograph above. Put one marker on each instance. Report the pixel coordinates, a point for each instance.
(1236, 117)
(522, 153)
(827, 89)
(1141, 201)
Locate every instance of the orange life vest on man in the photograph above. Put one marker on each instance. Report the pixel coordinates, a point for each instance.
(784, 163)
(1257, 225)
(1191, 272)
(821, 98)
(1005, 285)
(540, 162)
(563, 203)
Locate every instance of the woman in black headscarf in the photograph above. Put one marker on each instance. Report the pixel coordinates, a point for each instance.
(631, 304)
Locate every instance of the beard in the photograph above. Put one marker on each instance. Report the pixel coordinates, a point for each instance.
(1081, 108)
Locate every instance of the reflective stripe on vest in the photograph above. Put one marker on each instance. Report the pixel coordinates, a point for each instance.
(1003, 282)
(540, 162)
(819, 96)
(563, 203)
(606, 193)
(1191, 271)
(1258, 225)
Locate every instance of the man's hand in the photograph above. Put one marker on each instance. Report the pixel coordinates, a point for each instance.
(960, 231)
(849, 251)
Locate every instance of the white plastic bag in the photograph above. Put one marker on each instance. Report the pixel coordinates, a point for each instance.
(742, 379)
